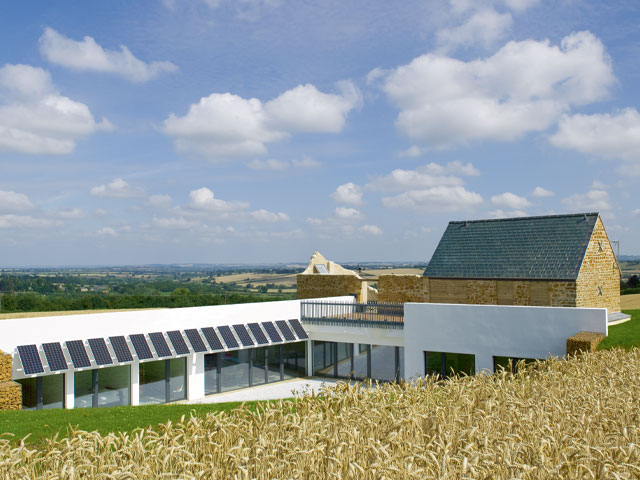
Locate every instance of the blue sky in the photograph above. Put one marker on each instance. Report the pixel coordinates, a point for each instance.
(217, 131)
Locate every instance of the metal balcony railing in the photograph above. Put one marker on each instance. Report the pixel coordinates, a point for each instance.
(373, 314)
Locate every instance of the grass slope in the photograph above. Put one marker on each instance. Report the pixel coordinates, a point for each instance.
(625, 335)
(42, 424)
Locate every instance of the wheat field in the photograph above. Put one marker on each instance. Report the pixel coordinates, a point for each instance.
(556, 419)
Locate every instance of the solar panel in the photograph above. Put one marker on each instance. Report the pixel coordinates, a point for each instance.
(243, 335)
(272, 332)
(299, 329)
(160, 344)
(30, 359)
(100, 351)
(228, 337)
(258, 334)
(179, 345)
(121, 349)
(55, 357)
(78, 354)
(286, 331)
(196, 340)
(212, 338)
(141, 346)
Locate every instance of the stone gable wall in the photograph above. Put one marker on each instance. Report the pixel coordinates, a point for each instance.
(319, 286)
(403, 288)
(598, 283)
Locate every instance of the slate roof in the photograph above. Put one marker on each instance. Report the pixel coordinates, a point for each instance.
(546, 248)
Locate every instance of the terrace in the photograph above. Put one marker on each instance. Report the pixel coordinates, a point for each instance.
(348, 314)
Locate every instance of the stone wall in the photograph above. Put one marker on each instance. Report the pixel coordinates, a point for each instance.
(598, 283)
(10, 392)
(403, 288)
(319, 286)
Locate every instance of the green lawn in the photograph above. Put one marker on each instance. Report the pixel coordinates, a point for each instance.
(46, 423)
(625, 335)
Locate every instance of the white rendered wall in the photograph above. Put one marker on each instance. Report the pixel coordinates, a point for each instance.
(365, 335)
(490, 330)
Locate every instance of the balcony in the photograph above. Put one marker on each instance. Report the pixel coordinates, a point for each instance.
(347, 314)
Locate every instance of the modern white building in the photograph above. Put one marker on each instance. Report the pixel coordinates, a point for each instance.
(160, 356)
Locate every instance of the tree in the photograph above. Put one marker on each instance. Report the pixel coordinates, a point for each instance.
(634, 281)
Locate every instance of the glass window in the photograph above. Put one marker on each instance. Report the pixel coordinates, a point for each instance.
(454, 363)
(235, 370)
(383, 362)
(210, 373)
(29, 393)
(259, 366)
(274, 363)
(294, 360)
(53, 391)
(83, 389)
(323, 358)
(401, 363)
(177, 379)
(345, 352)
(152, 382)
(113, 386)
(360, 362)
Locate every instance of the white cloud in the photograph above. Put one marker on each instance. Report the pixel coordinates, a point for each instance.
(23, 221)
(593, 200)
(89, 55)
(268, 164)
(159, 201)
(435, 199)
(348, 193)
(204, 199)
(224, 125)
(263, 215)
(636, 212)
(499, 213)
(524, 87)
(11, 201)
(371, 230)
(604, 135)
(484, 27)
(107, 232)
(510, 200)
(175, 223)
(412, 151)
(35, 118)
(520, 5)
(541, 192)
(430, 175)
(71, 213)
(349, 214)
(117, 188)
(306, 162)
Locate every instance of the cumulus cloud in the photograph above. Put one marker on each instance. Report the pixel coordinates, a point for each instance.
(224, 125)
(203, 199)
(429, 175)
(89, 55)
(159, 201)
(35, 118)
(117, 188)
(348, 193)
(306, 162)
(71, 213)
(263, 215)
(371, 230)
(499, 213)
(604, 135)
(524, 87)
(636, 212)
(435, 199)
(483, 27)
(11, 201)
(510, 200)
(346, 213)
(175, 223)
(542, 192)
(23, 221)
(593, 200)
(107, 232)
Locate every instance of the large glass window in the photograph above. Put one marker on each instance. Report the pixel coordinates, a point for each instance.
(294, 360)
(259, 366)
(83, 389)
(323, 353)
(274, 363)
(177, 379)
(29, 393)
(445, 364)
(113, 386)
(345, 354)
(152, 382)
(210, 373)
(360, 370)
(234, 370)
(53, 391)
(383, 362)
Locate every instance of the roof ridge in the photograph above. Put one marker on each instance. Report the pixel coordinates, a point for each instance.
(535, 217)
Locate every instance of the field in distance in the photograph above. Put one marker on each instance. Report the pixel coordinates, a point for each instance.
(630, 302)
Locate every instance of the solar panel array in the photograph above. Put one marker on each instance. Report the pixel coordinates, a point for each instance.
(121, 349)
(55, 357)
(228, 337)
(78, 353)
(100, 351)
(286, 331)
(160, 344)
(272, 332)
(243, 335)
(141, 346)
(212, 338)
(297, 327)
(196, 340)
(30, 359)
(258, 334)
(179, 345)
